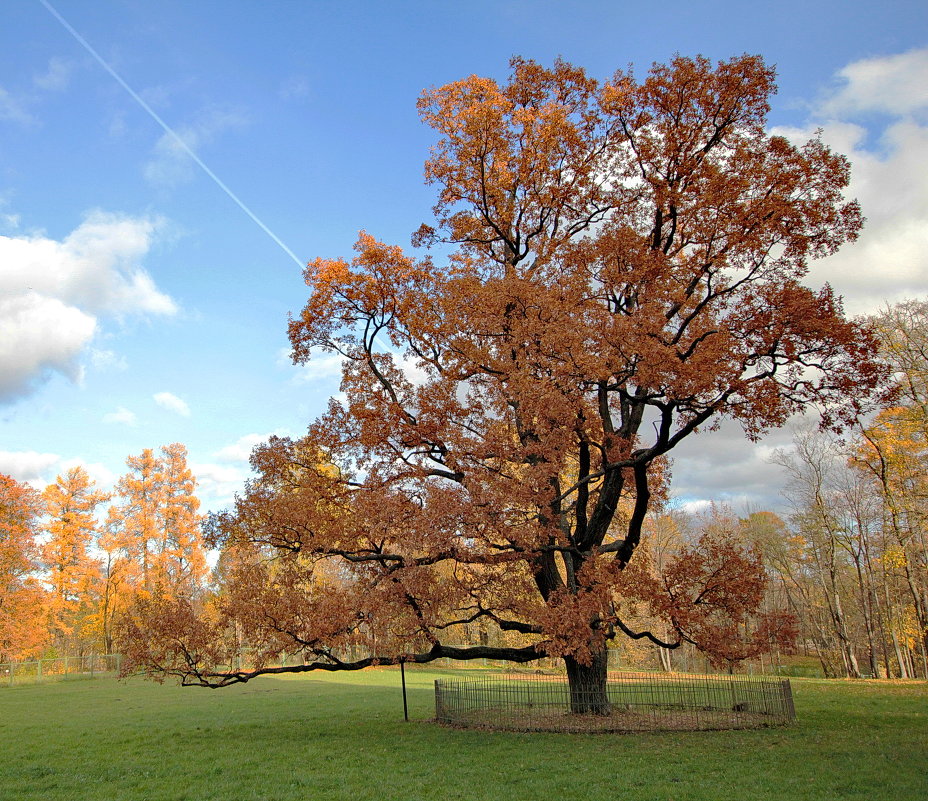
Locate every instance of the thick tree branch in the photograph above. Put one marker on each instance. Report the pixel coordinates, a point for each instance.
(194, 675)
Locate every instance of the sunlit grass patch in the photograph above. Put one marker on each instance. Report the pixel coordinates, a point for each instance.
(342, 736)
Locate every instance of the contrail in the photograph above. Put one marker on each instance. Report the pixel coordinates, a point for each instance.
(170, 132)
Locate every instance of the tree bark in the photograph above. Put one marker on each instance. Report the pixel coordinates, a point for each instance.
(664, 654)
(587, 685)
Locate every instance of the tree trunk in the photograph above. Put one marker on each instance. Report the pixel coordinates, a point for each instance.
(588, 685)
(866, 607)
(903, 667)
(664, 654)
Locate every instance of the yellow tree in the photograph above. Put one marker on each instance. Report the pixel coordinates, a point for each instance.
(893, 453)
(118, 579)
(181, 556)
(903, 335)
(72, 574)
(152, 543)
(23, 630)
(134, 522)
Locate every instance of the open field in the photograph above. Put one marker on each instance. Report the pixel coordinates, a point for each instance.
(343, 737)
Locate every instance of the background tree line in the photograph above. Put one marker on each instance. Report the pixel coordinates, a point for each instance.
(852, 559)
(74, 557)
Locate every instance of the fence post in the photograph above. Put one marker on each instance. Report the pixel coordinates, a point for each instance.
(439, 707)
(403, 678)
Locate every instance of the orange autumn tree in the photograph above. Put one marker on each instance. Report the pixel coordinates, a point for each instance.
(182, 556)
(709, 592)
(132, 521)
(72, 573)
(617, 265)
(152, 546)
(23, 632)
(154, 530)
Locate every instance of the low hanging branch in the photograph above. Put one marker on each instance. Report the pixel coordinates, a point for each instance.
(204, 678)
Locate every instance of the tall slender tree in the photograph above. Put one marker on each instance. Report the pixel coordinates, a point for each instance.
(134, 521)
(72, 574)
(182, 557)
(155, 525)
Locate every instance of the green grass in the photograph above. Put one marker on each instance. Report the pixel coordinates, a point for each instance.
(343, 736)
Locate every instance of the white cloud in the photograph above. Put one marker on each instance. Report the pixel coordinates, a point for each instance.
(694, 507)
(41, 469)
(220, 474)
(896, 84)
(889, 262)
(724, 465)
(13, 109)
(103, 275)
(415, 374)
(320, 367)
(219, 479)
(121, 416)
(172, 403)
(171, 164)
(107, 360)
(218, 483)
(240, 450)
(39, 335)
(296, 87)
(29, 466)
(56, 76)
(9, 222)
(53, 294)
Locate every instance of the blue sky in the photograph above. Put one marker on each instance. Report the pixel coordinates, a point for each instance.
(140, 305)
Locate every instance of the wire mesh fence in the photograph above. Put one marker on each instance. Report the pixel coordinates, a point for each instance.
(65, 667)
(636, 702)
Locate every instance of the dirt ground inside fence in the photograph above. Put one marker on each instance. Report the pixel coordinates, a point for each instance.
(619, 721)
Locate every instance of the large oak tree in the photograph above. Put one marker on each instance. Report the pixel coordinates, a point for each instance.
(613, 267)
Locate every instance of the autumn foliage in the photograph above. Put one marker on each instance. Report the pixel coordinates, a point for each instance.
(72, 571)
(709, 594)
(614, 266)
(73, 574)
(21, 597)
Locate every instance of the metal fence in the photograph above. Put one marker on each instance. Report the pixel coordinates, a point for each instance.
(65, 667)
(637, 702)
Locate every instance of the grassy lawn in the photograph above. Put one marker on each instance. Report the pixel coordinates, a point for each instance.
(343, 737)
